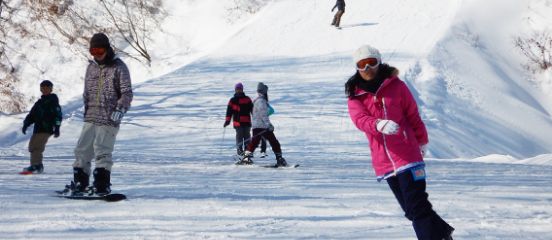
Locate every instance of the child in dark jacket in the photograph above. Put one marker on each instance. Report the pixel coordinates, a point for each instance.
(46, 116)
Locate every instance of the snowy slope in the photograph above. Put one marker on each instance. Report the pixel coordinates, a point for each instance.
(472, 88)
(173, 156)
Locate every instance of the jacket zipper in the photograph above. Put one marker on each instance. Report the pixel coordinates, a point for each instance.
(385, 141)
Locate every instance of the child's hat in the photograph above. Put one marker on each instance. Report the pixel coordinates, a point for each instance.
(46, 83)
(262, 88)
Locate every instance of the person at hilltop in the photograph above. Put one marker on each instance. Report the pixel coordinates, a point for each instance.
(262, 127)
(107, 97)
(46, 116)
(239, 111)
(382, 106)
(340, 5)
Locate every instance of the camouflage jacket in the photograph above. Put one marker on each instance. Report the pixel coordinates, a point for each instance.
(106, 88)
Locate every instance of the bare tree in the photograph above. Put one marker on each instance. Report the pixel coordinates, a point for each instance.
(538, 50)
(133, 20)
(130, 20)
(11, 100)
(65, 23)
(241, 7)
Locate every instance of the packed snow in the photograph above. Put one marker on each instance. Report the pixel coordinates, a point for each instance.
(490, 152)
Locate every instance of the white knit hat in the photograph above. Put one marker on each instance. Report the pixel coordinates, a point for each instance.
(366, 51)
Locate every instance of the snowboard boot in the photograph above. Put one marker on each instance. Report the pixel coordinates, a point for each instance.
(280, 161)
(39, 168)
(247, 159)
(102, 181)
(80, 182)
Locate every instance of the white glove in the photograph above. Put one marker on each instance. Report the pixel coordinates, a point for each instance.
(118, 114)
(423, 149)
(387, 127)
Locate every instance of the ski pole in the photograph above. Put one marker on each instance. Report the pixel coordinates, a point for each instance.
(222, 143)
(245, 140)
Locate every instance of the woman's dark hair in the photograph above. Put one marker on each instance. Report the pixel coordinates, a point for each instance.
(384, 71)
(351, 84)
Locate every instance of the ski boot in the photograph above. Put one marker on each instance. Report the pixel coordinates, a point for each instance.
(102, 182)
(39, 168)
(247, 159)
(280, 161)
(240, 152)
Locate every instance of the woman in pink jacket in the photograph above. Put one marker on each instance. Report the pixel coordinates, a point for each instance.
(381, 106)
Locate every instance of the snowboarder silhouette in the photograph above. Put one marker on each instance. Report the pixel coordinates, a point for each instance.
(340, 5)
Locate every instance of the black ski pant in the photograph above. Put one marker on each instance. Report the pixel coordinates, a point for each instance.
(243, 136)
(412, 196)
(259, 133)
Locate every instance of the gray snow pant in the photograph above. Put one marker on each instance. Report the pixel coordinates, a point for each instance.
(95, 142)
(243, 137)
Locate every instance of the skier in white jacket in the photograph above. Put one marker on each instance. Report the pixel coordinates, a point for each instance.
(262, 128)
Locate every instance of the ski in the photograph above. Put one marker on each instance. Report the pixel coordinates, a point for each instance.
(240, 163)
(276, 166)
(26, 173)
(268, 166)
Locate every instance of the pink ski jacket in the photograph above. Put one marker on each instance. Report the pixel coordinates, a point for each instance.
(391, 154)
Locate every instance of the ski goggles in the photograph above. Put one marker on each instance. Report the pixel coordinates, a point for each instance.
(97, 51)
(366, 63)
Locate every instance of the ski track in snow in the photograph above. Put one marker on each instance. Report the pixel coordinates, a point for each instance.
(322, 199)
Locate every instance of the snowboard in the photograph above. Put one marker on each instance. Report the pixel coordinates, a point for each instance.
(112, 197)
(26, 173)
(276, 166)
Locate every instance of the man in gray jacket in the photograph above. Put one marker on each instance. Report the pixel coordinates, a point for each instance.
(107, 97)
